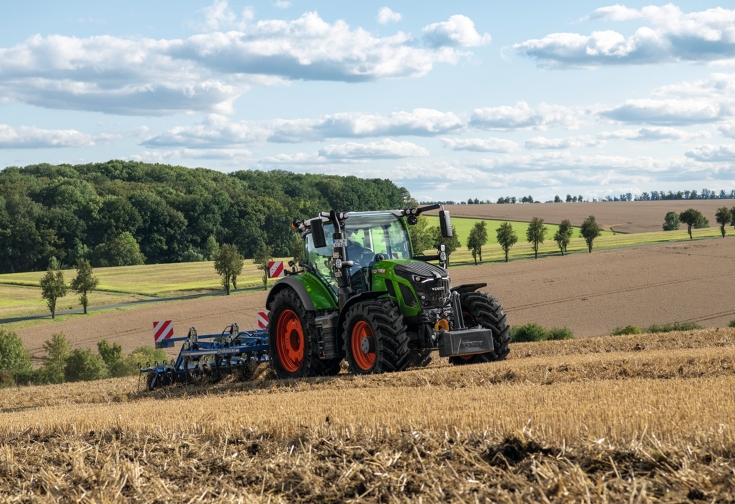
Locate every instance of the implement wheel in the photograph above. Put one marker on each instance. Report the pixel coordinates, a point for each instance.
(292, 339)
(375, 338)
(479, 308)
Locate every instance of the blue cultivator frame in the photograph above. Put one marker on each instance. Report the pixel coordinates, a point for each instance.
(208, 354)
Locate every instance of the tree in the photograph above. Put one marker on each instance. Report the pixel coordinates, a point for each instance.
(53, 286)
(450, 244)
(261, 260)
(83, 365)
(563, 235)
(506, 237)
(54, 362)
(671, 221)
(84, 282)
(228, 263)
(13, 356)
(536, 233)
(212, 248)
(690, 217)
(723, 216)
(589, 231)
(476, 239)
(121, 251)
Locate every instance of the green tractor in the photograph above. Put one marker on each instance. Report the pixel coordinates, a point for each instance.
(361, 294)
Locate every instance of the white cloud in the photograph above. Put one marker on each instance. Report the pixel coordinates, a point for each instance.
(458, 31)
(653, 134)
(667, 112)
(480, 144)
(713, 153)
(386, 15)
(561, 143)
(282, 4)
(419, 122)
(215, 130)
(674, 36)
(30, 137)
(161, 156)
(385, 149)
(522, 116)
(304, 158)
(208, 71)
(728, 130)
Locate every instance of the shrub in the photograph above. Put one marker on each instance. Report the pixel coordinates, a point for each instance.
(629, 329)
(13, 357)
(144, 354)
(528, 332)
(6, 379)
(731, 324)
(54, 362)
(676, 326)
(559, 333)
(84, 365)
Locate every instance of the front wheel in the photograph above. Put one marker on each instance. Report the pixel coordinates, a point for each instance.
(375, 338)
(479, 308)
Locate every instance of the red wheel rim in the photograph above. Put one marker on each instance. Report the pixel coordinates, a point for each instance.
(468, 320)
(362, 331)
(290, 341)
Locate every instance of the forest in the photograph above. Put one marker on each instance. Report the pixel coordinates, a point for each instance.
(125, 212)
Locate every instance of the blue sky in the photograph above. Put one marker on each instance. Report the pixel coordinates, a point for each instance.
(449, 99)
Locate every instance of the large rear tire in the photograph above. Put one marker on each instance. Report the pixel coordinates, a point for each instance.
(375, 338)
(292, 339)
(479, 308)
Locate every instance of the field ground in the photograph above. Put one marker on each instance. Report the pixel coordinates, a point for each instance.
(629, 418)
(621, 216)
(589, 293)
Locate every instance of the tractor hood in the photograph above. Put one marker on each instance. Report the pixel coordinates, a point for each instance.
(416, 285)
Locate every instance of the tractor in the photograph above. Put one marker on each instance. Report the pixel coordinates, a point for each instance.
(361, 293)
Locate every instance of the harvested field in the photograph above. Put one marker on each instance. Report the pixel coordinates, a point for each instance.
(611, 420)
(589, 293)
(622, 216)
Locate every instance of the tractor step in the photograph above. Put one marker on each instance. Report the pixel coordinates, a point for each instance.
(475, 340)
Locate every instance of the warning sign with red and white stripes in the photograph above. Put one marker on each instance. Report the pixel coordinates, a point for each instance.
(262, 320)
(163, 330)
(275, 269)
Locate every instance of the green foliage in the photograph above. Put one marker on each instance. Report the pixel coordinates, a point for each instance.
(676, 326)
(83, 365)
(629, 329)
(84, 282)
(120, 251)
(421, 235)
(589, 231)
(13, 356)
(54, 362)
(701, 223)
(7, 379)
(731, 324)
(212, 248)
(507, 237)
(146, 354)
(723, 216)
(450, 244)
(559, 333)
(53, 286)
(563, 235)
(536, 234)
(671, 221)
(535, 332)
(691, 217)
(191, 255)
(117, 365)
(228, 264)
(261, 259)
(476, 239)
(69, 211)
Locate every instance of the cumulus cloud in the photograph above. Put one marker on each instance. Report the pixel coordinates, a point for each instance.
(208, 71)
(386, 15)
(561, 143)
(653, 134)
(282, 4)
(713, 153)
(458, 31)
(728, 130)
(30, 137)
(523, 116)
(162, 156)
(672, 36)
(215, 130)
(480, 144)
(667, 112)
(385, 149)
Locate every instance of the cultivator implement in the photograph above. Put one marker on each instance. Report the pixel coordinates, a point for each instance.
(203, 355)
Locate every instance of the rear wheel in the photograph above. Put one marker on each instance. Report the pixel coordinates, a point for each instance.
(375, 338)
(292, 339)
(479, 308)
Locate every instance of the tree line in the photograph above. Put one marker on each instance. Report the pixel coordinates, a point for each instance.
(124, 212)
(695, 219)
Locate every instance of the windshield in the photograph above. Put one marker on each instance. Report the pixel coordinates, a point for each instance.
(370, 237)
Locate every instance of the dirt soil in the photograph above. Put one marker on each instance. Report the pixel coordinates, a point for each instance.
(589, 293)
(622, 216)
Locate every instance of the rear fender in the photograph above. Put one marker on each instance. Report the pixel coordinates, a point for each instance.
(313, 294)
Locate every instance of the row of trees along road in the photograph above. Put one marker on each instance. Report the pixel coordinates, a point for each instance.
(694, 219)
(54, 287)
(535, 235)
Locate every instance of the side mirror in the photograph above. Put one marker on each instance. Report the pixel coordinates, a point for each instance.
(445, 223)
(317, 233)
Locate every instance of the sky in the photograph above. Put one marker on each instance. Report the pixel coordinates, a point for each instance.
(452, 100)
